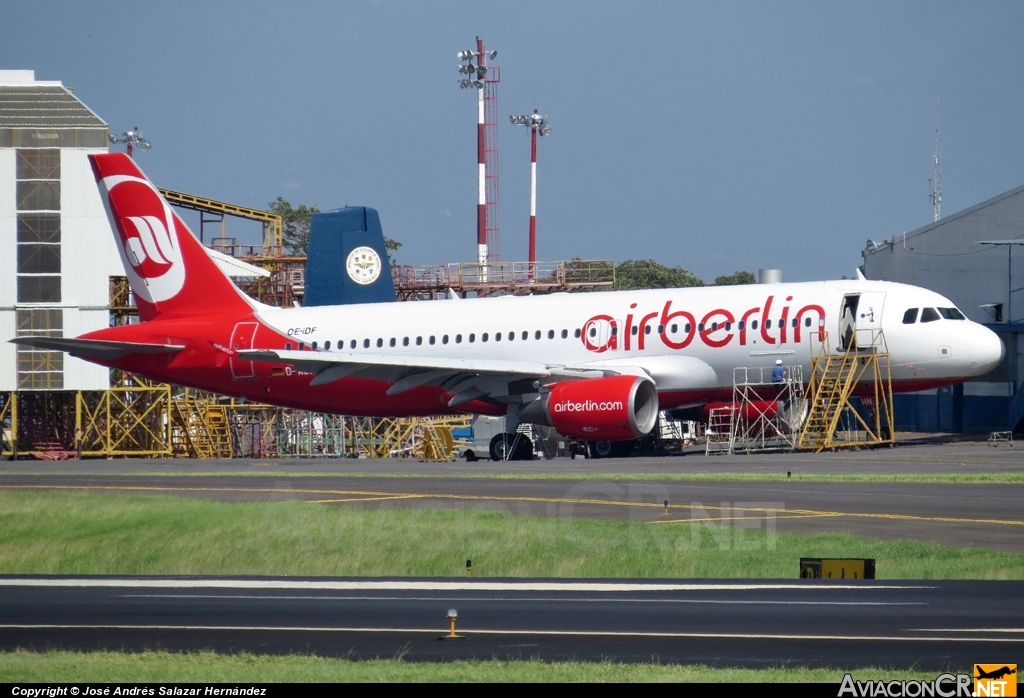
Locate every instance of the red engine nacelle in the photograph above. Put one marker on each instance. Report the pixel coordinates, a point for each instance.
(607, 409)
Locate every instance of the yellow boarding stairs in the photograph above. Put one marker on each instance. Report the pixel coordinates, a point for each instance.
(835, 376)
(200, 426)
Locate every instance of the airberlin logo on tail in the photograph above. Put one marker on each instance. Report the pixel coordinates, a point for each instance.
(149, 238)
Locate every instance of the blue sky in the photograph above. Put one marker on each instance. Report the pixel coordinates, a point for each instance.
(712, 135)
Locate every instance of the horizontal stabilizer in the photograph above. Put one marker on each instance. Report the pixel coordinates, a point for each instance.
(96, 348)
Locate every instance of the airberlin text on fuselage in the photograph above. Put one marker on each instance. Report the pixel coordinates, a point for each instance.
(716, 328)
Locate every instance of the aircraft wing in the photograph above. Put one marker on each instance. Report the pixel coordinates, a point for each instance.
(466, 379)
(96, 348)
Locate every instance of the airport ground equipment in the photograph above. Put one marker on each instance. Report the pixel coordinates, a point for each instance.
(998, 438)
(837, 568)
(861, 365)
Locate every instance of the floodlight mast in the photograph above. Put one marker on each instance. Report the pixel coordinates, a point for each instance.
(132, 139)
(538, 126)
(478, 75)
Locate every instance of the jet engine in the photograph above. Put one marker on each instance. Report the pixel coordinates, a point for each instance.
(609, 409)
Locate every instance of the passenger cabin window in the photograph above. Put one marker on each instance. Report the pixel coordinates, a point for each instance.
(472, 338)
(551, 334)
(380, 342)
(929, 315)
(536, 335)
(951, 314)
(511, 336)
(405, 341)
(419, 341)
(565, 334)
(287, 346)
(353, 344)
(675, 328)
(314, 345)
(753, 325)
(392, 342)
(444, 340)
(458, 339)
(431, 339)
(526, 335)
(767, 324)
(909, 317)
(635, 330)
(807, 321)
(497, 336)
(483, 337)
(327, 345)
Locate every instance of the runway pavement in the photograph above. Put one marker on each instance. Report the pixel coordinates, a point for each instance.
(927, 625)
(961, 515)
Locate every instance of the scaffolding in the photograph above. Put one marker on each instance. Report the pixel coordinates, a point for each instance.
(502, 278)
(764, 415)
(769, 412)
(861, 366)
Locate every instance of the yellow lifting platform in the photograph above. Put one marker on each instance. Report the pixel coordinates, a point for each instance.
(835, 376)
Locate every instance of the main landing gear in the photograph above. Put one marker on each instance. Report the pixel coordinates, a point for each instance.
(610, 449)
(508, 446)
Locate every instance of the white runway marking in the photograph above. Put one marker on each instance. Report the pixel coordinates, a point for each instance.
(967, 630)
(511, 599)
(473, 631)
(429, 586)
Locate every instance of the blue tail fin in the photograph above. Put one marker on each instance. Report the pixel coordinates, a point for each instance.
(347, 262)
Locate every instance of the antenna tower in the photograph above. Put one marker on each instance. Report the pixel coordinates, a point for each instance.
(936, 180)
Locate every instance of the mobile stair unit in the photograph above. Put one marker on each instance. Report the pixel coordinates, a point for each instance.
(860, 366)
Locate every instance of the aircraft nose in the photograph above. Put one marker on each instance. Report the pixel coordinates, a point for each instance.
(986, 350)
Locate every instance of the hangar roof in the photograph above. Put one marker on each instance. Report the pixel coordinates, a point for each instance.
(44, 106)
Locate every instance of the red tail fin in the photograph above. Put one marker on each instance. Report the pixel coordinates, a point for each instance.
(169, 272)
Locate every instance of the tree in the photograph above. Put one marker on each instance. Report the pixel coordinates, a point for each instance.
(646, 273)
(739, 278)
(297, 222)
(391, 245)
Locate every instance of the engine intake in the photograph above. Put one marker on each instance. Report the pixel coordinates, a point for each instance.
(609, 409)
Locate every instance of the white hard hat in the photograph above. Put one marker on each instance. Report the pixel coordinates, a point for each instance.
(778, 362)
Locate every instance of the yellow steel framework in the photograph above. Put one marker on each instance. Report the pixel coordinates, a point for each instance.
(273, 224)
(864, 362)
(129, 420)
(8, 424)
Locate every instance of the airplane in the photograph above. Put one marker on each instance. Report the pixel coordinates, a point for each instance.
(594, 366)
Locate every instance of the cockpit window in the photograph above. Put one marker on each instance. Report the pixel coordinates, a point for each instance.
(910, 317)
(951, 314)
(929, 315)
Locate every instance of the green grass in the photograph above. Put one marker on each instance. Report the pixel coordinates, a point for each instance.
(1009, 478)
(83, 533)
(202, 667)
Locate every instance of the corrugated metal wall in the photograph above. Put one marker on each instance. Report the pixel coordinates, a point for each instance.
(946, 257)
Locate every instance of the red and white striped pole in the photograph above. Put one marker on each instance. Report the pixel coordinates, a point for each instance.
(538, 127)
(481, 149)
(533, 197)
